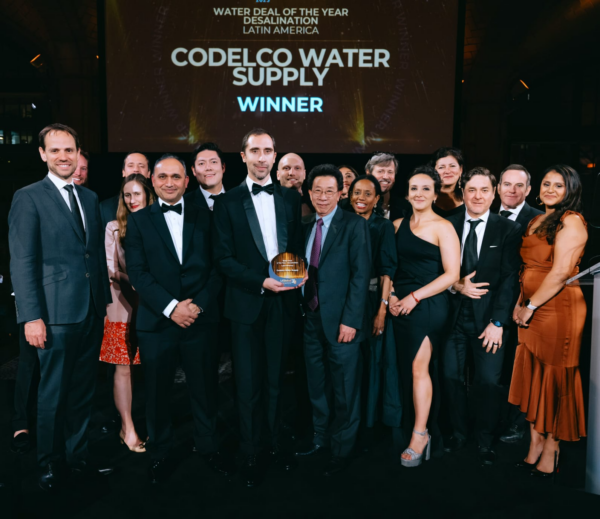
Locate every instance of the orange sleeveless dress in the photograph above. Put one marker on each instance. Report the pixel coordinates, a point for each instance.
(546, 383)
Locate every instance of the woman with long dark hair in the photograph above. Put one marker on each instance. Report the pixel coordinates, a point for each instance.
(448, 162)
(546, 382)
(349, 175)
(365, 195)
(119, 346)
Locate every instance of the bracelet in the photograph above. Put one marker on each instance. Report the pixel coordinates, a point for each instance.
(415, 297)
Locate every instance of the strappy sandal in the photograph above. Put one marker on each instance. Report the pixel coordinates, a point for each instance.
(415, 458)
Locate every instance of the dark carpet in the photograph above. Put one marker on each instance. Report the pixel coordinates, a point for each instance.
(374, 485)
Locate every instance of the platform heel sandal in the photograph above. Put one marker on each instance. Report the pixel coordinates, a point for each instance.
(415, 458)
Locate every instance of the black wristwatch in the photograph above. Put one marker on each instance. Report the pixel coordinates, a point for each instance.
(496, 323)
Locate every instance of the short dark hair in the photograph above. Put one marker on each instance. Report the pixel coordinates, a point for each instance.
(381, 158)
(441, 153)
(57, 127)
(484, 172)
(326, 170)
(255, 131)
(170, 156)
(139, 153)
(431, 173)
(516, 167)
(350, 168)
(207, 146)
(378, 209)
(84, 154)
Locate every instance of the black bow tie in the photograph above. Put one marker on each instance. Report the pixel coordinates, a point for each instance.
(269, 189)
(166, 208)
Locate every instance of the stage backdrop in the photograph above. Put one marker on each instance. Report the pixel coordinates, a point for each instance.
(342, 76)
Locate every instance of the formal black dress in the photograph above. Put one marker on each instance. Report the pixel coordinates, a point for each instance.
(445, 214)
(383, 263)
(419, 263)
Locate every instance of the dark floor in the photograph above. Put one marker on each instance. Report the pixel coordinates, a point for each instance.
(373, 486)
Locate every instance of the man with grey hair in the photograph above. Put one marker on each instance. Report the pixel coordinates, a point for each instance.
(513, 188)
(383, 166)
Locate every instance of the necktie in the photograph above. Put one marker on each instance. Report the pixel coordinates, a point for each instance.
(470, 257)
(269, 189)
(214, 197)
(166, 208)
(312, 292)
(75, 207)
(506, 214)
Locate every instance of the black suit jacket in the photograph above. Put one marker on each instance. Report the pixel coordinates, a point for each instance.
(240, 252)
(108, 209)
(499, 264)
(155, 272)
(344, 273)
(527, 214)
(56, 270)
(196, 197)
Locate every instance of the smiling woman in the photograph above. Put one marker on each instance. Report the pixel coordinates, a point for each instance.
(449, 162)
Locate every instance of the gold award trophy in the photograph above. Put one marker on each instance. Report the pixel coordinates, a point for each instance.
(287, 268)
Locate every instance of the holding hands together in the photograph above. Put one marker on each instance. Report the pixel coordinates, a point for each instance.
(402, 306)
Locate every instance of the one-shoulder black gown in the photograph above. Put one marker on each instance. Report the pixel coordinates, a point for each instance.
(419, 263)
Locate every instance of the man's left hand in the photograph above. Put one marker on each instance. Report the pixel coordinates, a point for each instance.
(492, 338)
(347, 333)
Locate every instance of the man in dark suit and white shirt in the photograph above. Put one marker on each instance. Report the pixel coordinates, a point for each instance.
(134, 162)
(59, 275)
(170, 265)
(208, 168)
(254, 222)
(338, 252)
(483, 301)
(513, 187)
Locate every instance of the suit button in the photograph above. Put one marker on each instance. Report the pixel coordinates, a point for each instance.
(87, 256)
(87, 274)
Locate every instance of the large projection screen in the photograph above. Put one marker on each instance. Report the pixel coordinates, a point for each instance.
(342, 76)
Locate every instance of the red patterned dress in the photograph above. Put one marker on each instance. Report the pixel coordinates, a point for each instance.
(117, 347)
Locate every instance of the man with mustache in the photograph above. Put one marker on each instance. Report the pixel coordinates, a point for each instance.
(384, 166)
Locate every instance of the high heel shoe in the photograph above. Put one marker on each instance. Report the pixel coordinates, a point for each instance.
(536, 473)
(415, 458)
(137, 449)
(529, 466)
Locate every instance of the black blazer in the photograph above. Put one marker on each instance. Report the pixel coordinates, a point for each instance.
(344, 274)
(527, 214)
(155, 272)
(499, 264)
(108, 209)
(54, 267)
(196, 197)
(240, 253)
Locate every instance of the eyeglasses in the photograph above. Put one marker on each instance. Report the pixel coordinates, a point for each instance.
(329, 193)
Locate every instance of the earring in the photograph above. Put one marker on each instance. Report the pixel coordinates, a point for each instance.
(538, 200)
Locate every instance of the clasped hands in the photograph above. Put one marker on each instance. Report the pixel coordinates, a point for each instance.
(522, 315)
(185, 313)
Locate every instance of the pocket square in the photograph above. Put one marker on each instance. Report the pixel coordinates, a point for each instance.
(492, 246)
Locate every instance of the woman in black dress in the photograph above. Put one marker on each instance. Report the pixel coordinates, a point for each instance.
(364, 195)
(448, 162)
(428, 263)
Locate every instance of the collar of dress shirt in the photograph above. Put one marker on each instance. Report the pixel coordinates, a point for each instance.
(206, 194)
(58, 182)
(327, 219)
(484, 217)
(516, 210)
(162, 202)
(249, 182)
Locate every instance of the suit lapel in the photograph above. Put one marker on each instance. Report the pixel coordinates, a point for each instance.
(162, 228)
(62, 206)
(281, 219)
(190, 215)
(88, 211)
(200, 200)
(335, 228)
(253, 222)
(489, 236)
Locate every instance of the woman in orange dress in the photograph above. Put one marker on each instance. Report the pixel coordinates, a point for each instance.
(119, 346)
(546, 382)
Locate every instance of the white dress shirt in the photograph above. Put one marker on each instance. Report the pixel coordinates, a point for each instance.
(479, 230)
(264, 204)
(60, 185)
(515, 212)
(175, 225)
(207, 196)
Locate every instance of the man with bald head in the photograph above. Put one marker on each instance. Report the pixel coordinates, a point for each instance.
(291, 173)
(169, 262)
(134, 162)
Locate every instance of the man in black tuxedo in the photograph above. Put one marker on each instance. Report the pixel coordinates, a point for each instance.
(254, 222)
(483, 302)
(208, 167)
(513, 187)
(169, 261)
(338, 252)
(60, 279)
(134, 162)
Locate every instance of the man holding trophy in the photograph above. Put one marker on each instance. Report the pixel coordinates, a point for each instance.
(255, 223)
